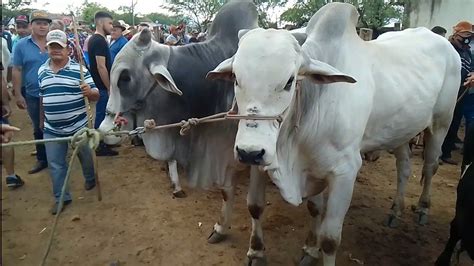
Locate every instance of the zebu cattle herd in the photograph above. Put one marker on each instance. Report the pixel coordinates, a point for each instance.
(327, 97)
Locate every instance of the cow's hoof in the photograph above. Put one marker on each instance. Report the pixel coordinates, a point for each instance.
(215, 237)
(392, 221)
(308, 260)
(179, 194)
(256, 261)
(422, 218)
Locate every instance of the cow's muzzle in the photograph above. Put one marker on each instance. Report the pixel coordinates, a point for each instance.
(250, 157)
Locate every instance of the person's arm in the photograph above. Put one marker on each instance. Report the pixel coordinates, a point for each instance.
(101, 53)
(16, 77)
(89, 89)
(16, 80)
(91, 94)
(41, 113)
(469, 82)
(103, 72)
(7, 132)
(6, 110)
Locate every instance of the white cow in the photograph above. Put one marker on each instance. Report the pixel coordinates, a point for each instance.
(5, 57)
(407, 82)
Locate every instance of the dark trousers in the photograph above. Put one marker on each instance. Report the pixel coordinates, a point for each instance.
(33, 108)
(100, 107)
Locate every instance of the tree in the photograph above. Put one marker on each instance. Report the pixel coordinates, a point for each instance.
(162, 18)
(266, 7)
(9, 12)
(373, 13)
(199, 12)
(89, 9)
(302, 11)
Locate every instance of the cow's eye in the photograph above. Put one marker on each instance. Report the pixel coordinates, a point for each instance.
(288, 84)
(236, 83)
(124, 76)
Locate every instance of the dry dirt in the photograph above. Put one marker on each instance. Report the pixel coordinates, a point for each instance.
(139, 222)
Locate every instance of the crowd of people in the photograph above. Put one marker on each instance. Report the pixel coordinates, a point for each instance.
(44, 77)
(46, 82)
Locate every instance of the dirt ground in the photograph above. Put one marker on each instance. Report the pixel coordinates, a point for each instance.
(138, 221)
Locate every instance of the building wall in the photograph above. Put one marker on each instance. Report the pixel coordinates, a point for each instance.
(444, 13)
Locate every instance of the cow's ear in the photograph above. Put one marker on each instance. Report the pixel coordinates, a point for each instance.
(164, 79)
(322, 73)
(222, 71)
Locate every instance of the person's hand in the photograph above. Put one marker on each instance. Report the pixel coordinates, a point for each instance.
(7, 132)
(469, 82)
(86, 89)
(6, 110)
(20, 102)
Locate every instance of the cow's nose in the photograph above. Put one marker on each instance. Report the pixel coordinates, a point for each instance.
(252, 157)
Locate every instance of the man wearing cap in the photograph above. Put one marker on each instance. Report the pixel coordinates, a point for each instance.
(63, 107)
(29, 54)
(118, 40)
(461, 38)
(22, 28)
(173, 38)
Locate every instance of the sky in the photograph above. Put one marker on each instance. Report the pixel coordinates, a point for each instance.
(142, 7)
(61, 6)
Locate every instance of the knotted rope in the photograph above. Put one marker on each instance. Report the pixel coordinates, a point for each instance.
(85, 136)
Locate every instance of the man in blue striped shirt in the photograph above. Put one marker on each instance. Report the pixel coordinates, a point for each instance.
(64, 111)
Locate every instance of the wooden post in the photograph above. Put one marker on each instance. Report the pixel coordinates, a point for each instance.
(365, 34)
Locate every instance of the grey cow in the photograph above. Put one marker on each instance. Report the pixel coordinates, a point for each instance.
(167, 84)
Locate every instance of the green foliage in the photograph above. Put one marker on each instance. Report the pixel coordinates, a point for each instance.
(376, 13)
(373, 13)
(266, 7)
(89, 9)
(200, 13)
(9, 11)
(302, 11)
(163, 19)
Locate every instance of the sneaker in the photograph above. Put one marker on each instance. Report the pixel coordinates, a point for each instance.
(14, 182)
(104, 150)
(54, 209)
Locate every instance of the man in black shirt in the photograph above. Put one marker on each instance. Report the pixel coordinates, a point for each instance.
(100, 65)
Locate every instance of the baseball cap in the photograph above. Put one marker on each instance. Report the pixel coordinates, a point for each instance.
(463, 27)
(39, 14)
(56, 36)
(21, 19)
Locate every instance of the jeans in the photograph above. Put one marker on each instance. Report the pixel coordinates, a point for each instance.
(33, 108)
(57, 153)
(101, 107)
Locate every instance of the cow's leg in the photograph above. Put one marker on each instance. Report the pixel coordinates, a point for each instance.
(174, 177)
(255, 205)
(432, 151)
(223, 225)
(311, 248)
(340, 188)
(402, 155)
